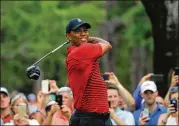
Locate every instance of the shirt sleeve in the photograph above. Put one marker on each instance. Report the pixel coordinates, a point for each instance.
(90, 51)
(137, 97)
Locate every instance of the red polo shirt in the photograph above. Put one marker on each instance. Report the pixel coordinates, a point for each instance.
(84, 76)
(7, 118)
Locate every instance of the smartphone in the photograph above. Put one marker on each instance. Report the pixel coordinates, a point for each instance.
(105, 76)
(45, 86)
(176, 69)
(59, 99)
(145, 112)
(52, 96)
(22, 109)
(174, 102)
(157, 78)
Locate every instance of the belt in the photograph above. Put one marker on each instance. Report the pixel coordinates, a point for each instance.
(80, 113)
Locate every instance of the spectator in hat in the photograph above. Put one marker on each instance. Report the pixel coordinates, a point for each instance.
(151, 110)
(62, 115)
(5, 106)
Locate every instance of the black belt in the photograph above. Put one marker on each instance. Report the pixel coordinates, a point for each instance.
(92, 114)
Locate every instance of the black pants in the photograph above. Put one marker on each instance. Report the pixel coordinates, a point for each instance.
(80, 118)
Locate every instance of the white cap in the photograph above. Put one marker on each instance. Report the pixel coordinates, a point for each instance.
(50, 103)
(148, 85)
(4, 90)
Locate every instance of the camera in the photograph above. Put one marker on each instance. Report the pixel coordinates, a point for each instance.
(157, 78)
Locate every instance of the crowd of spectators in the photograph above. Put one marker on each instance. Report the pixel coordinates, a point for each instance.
(144, 107)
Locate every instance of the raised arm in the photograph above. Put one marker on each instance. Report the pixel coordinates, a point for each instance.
(126, 96)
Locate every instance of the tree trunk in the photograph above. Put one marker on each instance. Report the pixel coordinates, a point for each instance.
(164, 19)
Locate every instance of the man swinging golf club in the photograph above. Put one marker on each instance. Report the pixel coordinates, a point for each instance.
(84, 76)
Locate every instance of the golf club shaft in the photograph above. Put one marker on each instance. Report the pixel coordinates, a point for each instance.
(50, 53)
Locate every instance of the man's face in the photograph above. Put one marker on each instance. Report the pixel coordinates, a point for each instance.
(113, 97)
(5, 100)
(66, 99)
(149, 97)
(78, 36)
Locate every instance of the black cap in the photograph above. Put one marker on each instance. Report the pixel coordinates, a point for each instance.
(75, 24)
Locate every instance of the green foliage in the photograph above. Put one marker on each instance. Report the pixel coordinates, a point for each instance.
(33, 28)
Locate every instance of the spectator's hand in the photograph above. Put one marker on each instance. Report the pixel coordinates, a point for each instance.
(19, 120)
(143, 120)
(40, 97)
(66, 111)
(112, 78)
(175, 80)
(145, 78)
(170, 110)
(112, 113)
(54, 108)
(53, 86)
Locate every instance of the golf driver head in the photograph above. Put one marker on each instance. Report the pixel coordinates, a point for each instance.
(33, 72)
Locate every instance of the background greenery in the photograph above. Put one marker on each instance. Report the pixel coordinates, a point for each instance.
(30, 29)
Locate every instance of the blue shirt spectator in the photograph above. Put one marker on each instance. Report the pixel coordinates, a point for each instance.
(137, 97)
(153, 116)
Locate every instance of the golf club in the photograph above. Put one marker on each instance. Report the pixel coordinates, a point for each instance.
(33, 72)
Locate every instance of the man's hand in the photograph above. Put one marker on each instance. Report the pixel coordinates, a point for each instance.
(54, 108)
(175, 80)
(92, 40)
(112, 113)
(143, 120)
(66, 111)
(20, 121)
(145, 78)
(53, 86)
(112, 78)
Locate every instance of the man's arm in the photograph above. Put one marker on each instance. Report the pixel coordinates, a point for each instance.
(126, 96)
(174, 82)
(106, 46)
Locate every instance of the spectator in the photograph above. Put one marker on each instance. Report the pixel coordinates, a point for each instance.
(50, 109)
(126, 97)
(32, 99)
(18, 120)
(63, 114)
(174, 82)
(171, 117)
(118, 116)
(5, 106)
(149, 93)
(137, 93)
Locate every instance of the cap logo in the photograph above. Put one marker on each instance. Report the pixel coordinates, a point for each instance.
(79, 20)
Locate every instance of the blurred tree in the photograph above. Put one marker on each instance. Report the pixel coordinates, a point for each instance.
(164, 18)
